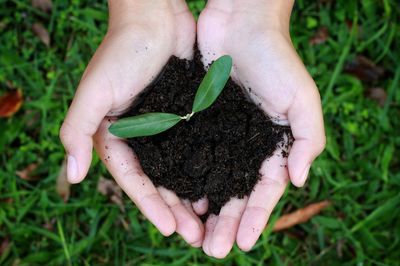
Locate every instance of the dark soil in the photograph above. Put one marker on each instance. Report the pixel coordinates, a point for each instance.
(218, 153)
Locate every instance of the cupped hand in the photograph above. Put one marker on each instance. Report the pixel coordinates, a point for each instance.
(256, 35)
(142, 36)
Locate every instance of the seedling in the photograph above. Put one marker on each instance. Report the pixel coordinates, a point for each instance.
(154, 123)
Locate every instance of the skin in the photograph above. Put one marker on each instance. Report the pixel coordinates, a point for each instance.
(256, 34)
(142, 35)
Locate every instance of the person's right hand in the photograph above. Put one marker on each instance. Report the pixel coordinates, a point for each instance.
(142, 36)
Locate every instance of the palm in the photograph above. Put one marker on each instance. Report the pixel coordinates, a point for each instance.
(133, 65)
(266, 64)
(129, 58)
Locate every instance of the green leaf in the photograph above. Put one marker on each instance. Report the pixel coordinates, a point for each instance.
(143, 125)
(213, 83)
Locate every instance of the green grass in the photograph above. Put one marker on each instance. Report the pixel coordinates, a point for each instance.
(358, 172)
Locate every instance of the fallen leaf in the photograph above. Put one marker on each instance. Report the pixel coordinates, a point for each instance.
(339, 248)
(349, 24)
(379, 95)
(320, 36)
(44, 5)
(40, 31)
(7, 200)
(63, 187)
(364, 69)
(359, 29)
(124, 223)
(2, 25)
(5, 243)
(49, 225)
(26, 173)
(10, 84)
(299, 216)
(10, 103)
(111, 189)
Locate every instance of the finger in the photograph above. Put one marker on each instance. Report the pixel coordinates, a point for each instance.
(266, 194)
(209, 229)
(124, 167)
(89, 107)
(200, 207)
(226, 228)
(188, 205)
(188, 225)
(307, 125)
(186, 33)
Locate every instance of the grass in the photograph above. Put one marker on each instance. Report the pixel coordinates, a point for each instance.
(358, 172)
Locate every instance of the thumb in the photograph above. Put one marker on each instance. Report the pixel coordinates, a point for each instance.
(89, 107)
(306, 121)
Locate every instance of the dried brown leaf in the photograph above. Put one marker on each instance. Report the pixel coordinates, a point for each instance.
(377, 94)
(320, 36)
(7, 200)
(339, 248)
(124, 223)
(40, 31)
(10, 84)
(4, 244)
(49, 225)
(359, 27)
(299, 216)
(349, 24)
(111, 189)
(364, 69)
(10, 103)
(63, 187)
(44, 5)
(26, 173)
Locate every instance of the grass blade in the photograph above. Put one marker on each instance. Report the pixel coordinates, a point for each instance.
(143, 125)
(213, 83)
(64, 243)
(376, 216)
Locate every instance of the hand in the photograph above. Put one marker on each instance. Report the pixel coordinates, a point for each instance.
(256, 35)
(142, 36)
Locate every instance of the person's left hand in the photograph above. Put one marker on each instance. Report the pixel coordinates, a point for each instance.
(256, 34)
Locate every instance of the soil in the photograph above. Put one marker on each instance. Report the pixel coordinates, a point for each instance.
(218, 153)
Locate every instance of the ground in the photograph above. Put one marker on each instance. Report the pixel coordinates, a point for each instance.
(358, 172)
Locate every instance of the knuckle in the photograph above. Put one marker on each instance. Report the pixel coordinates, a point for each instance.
(256, 211)
(65, 132)
(131, 172)
(267, 181)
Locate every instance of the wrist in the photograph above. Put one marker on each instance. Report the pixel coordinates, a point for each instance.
(123, 12)
(118, 6)
(274, 14)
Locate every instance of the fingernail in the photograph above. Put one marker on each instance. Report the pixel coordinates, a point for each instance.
(72, 168)
(304, 175)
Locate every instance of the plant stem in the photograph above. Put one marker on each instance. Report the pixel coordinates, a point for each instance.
(188, 116)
